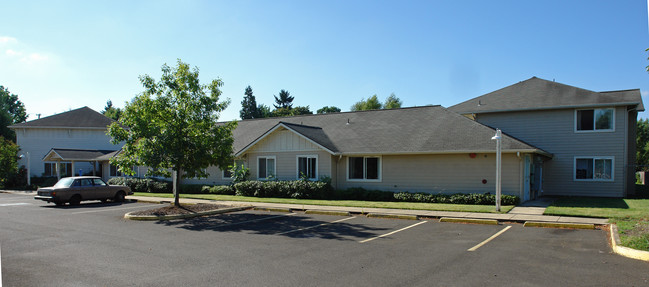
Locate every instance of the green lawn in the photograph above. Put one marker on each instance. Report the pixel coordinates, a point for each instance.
(630, 215)
(349, 203)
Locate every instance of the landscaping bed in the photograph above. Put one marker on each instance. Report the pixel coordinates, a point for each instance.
(183, 209)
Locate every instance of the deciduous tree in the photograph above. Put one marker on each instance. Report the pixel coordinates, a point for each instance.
(172, 125)
(327, 109)
(372, 103)
(111, 111)
(392, 102)
(12, 111)
(8, 160)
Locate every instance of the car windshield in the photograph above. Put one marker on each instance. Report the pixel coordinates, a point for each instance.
(64, 182)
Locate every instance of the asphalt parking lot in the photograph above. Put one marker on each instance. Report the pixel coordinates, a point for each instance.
(92, 245)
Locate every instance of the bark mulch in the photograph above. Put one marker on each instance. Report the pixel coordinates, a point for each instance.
(183, 209)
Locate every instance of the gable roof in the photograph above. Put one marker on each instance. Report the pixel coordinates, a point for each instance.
(79, 154)
(80, 118)
(540, 94)
(418, 130)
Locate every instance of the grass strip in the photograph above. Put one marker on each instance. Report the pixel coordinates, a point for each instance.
(346, 203)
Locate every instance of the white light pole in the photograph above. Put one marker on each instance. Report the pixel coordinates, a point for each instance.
(499, 139)
(29, 175)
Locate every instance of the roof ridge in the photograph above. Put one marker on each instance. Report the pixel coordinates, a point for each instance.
(338, 113)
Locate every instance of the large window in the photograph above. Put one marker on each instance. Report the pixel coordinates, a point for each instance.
(595, 120)
(265, 167)
(594, 168)
(65, 169)
(114, 171)
(364, 168)
(237, 164)
(307, 167)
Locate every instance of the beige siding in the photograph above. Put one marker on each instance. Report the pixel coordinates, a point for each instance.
(440, 174)
(286, 163)
(554, 132)
(283, 140)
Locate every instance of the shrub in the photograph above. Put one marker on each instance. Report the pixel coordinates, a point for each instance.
(283, 189)
(359, 193)
(220, 189)
(142, 184)
(458, 198)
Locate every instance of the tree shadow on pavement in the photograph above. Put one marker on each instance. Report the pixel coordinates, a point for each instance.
(292, 225)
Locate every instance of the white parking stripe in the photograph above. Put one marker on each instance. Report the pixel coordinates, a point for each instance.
(393, 232)
(255, 220)
(12, 204)
(111, 209)
(474, 248)
(0, 266)
(326, 223)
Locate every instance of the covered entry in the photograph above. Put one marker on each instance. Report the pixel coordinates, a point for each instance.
(96, 158)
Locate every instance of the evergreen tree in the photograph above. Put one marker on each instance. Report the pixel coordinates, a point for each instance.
(285, 100)
(249, 108)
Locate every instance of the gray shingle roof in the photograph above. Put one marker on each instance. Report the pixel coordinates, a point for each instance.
(80, 118)
(539, 94)
(430, 129)
(81, 154)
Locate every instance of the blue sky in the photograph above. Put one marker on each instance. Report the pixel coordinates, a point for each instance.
(62, 55)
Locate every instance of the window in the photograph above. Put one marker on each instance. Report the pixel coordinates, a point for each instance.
(65, 169)
(594, 168)
(114, 171)
(307, 166)
(227, 173)
(266, 167)
(364, 168)
(595, 120)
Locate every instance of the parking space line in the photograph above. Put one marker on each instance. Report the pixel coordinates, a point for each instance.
(14, 204)
(474, 248)
(255, 220)
(393, 232)
(111, 209)
(310, 227)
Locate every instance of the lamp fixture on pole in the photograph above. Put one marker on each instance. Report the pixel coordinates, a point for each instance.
(498, 138)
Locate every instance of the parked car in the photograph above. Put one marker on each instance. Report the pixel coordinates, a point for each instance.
(80, 188)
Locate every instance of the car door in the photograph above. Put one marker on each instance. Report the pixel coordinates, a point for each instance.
(102, 189)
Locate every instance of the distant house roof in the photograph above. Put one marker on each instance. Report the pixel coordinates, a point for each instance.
(418, 130)
(80, 118)
(540, 94)
(79, 154)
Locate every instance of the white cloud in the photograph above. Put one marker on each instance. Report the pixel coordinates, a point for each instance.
(12, 53)
(7, 40)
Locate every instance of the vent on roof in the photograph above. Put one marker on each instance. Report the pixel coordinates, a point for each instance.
(347, 121)
(479, 103)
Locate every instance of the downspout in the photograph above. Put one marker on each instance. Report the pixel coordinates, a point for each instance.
(340, 156)
(521, 176)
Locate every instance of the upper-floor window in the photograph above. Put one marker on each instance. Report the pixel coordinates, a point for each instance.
(595, 120)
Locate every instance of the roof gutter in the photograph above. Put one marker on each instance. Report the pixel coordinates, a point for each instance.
(551, 108)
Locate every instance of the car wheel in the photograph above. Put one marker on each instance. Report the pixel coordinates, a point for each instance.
(104, 200)
(120, 196)
(75, 200)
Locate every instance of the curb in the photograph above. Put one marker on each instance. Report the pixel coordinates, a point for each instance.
(469, 220)
(393, 216)
(327, 212)
(626, 251)
(558, 225)
(183, 216)
(273, 209)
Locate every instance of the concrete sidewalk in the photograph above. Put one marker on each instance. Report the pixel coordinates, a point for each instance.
(508, 217)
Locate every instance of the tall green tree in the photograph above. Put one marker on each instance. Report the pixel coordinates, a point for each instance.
(372, 103)
(111, 111)
(249, 108)
(642, 145)
(8, 160)
(328, 109)
(12, 111)
(172, 125)
(392, 102)
(264, 111)
(285, 100)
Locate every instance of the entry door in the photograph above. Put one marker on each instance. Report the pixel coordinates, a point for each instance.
(526, 181)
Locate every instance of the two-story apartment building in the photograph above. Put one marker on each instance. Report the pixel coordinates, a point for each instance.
(591, 135)
(557, 140)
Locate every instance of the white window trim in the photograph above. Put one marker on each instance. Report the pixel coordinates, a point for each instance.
(612, 129)
(297, 165)
(274, 167)
(574, 168)
(380, 170)
(234, 162)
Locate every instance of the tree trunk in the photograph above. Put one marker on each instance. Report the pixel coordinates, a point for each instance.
(177, 176)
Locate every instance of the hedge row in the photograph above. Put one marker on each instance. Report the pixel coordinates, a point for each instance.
(458, 198)
(143, 184)
(283, 189)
